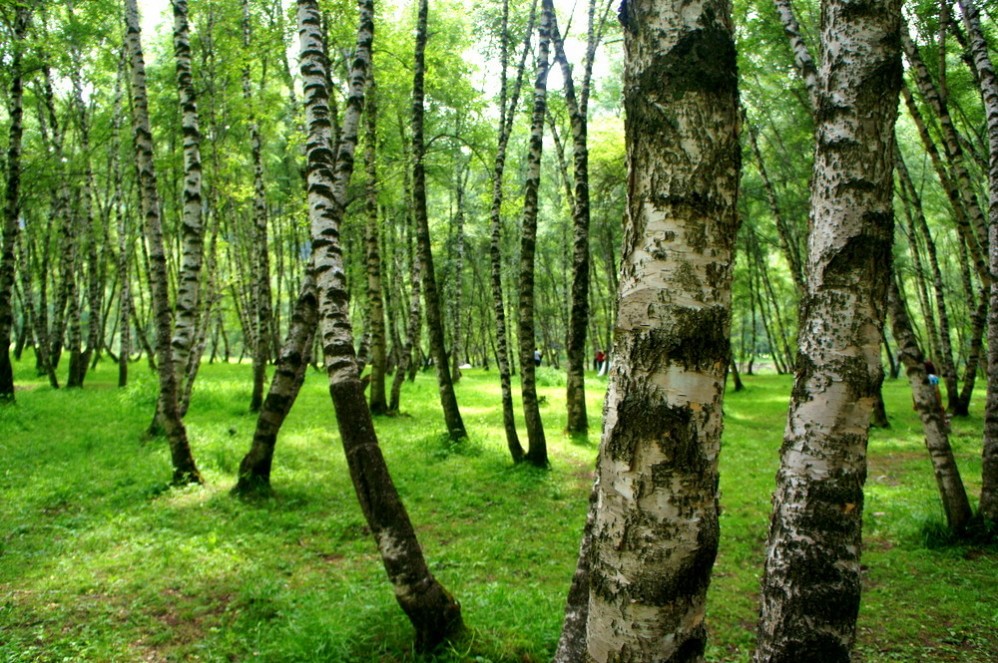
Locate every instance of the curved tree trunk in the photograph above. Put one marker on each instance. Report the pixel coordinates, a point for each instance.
(811, 585)
(184, 468)
(655, 527)
(431, 297)
(435, 615)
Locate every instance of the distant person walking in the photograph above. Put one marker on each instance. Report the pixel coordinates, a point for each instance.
(598, 361)
(537, 357)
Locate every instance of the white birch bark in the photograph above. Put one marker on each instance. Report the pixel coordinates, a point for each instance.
(811, 586)
(655, 528)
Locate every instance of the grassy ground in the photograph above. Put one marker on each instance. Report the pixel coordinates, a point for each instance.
(99, 561)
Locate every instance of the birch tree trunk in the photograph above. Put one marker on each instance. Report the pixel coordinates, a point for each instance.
(811, 586)
(536, 445)
(954, 496)
(431, 296)
(184, 468)
(575, 346)
(192, 233)
(12, 207)
(655, 524)
(254, 470)
(507, 112)
(988, 506)
(435, 615)
(124, 232)
(375, 300)
(262, 315)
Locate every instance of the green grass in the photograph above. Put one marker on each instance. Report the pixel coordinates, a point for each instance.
(101, 561)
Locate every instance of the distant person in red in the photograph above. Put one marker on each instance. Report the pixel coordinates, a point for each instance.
(598, 360)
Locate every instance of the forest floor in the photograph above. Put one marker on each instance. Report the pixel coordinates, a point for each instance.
(101, 561)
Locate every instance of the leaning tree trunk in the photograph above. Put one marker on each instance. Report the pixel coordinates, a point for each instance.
(536, 444)
(812, 583)
(954, 496)
(655, 528)
(989, 91)
(254, 470)
(431, 297)
(431, 609)
(12, 208)
(184, 468)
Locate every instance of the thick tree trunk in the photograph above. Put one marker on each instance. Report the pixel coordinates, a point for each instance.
(184, 468)
(930, 411)
(431, 297)
(811, 585)
(435, 615)
(536, 444)
(12, 206)
(655, 528)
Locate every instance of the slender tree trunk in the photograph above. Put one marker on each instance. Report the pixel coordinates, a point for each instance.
(376, 309)
(431, 297)
(989, 91)
(254, 470)
(87, 232)
(578, 421)
(262, 316)
(411, 337)
(655, 526)
(811, 585)
(955, 155)
(536, 444)
(495, 222)
(184, 468)
(930, 411)
(12, 207)
(186, 323)
(435, 615)
(124, 232)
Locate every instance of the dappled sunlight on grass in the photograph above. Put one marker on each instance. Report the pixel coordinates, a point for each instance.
(101, 560)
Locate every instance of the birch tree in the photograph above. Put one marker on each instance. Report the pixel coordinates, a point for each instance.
(811, 586)
(184, 468)
(435, 615)
(654, 529)
(12, 206)
(431, 296)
